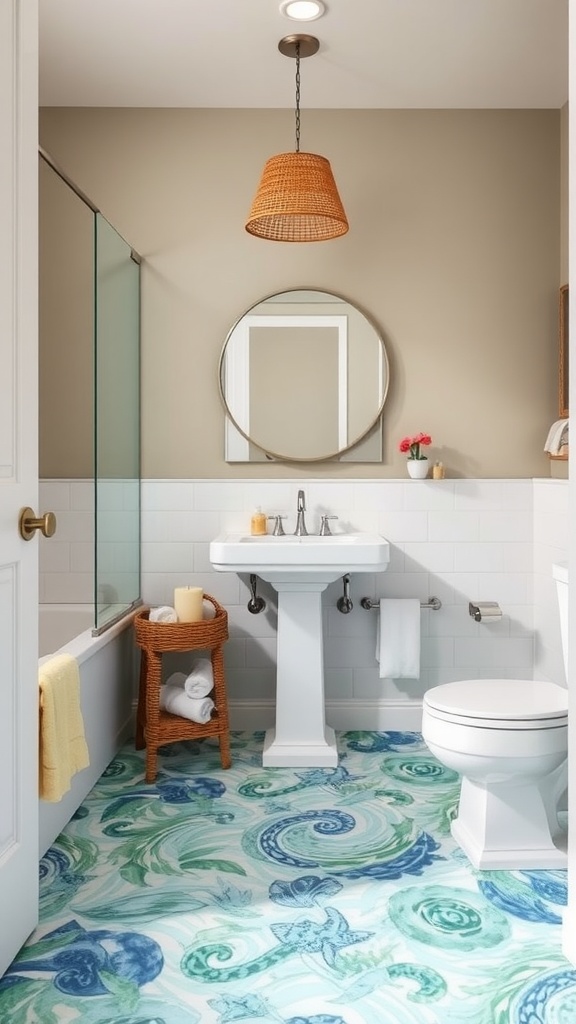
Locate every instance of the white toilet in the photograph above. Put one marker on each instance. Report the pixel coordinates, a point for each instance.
(508, 739)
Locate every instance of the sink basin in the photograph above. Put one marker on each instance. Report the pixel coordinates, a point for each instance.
(290, 556)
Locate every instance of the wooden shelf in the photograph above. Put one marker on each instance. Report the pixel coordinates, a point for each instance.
(156, 727)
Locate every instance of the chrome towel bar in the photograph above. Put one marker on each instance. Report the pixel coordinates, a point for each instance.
(434, 603)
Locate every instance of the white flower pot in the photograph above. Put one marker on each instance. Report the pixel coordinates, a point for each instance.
(417, 468)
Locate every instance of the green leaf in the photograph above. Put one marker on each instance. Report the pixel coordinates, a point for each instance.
(189, 863)
(49, 943)
(83, 852)
(147, 906)
(133, 873)
(126, 992)
(125, 807)
(18, 1003)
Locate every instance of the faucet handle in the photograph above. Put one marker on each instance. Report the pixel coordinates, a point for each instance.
(325, 530)
(278, 530)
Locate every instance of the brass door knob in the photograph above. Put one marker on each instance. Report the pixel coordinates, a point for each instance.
(29, 523)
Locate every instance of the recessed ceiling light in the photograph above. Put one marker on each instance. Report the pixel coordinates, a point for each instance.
(302, 10)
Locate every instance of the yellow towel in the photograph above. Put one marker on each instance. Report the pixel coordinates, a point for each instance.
(63, 749)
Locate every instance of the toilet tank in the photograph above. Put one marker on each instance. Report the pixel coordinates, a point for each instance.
(560, 574)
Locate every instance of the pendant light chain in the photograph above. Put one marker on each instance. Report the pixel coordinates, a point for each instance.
(298, 96)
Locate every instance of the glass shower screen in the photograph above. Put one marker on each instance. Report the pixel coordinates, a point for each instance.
(116, 425)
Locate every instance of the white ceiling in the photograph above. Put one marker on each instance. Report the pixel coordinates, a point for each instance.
(373, 54)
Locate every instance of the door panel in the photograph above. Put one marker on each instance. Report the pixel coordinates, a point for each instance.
(18, 475)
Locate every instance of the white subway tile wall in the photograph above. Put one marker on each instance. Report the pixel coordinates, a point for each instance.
(550, 543)
(67, 558)
(459, 540)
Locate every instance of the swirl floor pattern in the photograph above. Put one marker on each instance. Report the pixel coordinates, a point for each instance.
(280, 896)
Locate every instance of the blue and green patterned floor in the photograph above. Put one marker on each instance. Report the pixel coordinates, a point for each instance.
(279, 896)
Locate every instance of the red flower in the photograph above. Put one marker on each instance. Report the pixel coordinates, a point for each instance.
(412, 445)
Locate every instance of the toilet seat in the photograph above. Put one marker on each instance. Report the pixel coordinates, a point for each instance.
(516, 704)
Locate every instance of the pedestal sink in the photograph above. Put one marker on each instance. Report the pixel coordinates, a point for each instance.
(300, 568)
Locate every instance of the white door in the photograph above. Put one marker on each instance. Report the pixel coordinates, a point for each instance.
(18, 475)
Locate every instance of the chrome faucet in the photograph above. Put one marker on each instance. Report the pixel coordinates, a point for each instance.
(301, 530)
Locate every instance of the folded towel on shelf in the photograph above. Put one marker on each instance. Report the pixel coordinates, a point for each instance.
(557, 437)
(398, 638)
(173, 698)
(200, 681)
(63, 749)
(163, 614)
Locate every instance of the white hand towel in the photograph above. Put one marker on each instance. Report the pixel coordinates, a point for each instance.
(398, 639)
(162, 614)
(201, 679)
(174, 699)
(556, 436)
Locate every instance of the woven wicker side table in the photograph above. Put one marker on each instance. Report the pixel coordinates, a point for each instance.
(154, 726)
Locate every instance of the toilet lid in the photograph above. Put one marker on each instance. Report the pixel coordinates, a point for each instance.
(511, 700)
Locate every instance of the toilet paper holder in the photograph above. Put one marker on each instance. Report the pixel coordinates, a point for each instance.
(485, 611)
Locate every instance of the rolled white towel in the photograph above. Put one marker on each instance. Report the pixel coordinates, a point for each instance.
(208, 610)
(163, 614)
(176, 679)
(174, 699)
(201, 679)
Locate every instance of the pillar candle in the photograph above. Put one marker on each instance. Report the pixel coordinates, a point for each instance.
(188, 603)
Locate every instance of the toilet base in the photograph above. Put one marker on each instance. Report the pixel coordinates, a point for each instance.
(553, 857)
(506, 827)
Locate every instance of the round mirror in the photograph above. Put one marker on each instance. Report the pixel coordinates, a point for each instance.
(304, 376)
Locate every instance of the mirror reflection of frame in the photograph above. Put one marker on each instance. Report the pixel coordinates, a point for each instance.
(563, 354)
(303, 376)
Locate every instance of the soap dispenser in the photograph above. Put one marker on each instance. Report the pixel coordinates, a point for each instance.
(258, 523)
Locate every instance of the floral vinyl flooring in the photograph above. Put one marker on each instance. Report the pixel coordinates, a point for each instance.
(285, 896)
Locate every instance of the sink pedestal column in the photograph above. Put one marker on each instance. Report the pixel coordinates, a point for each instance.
(301, 738)
(300, 568)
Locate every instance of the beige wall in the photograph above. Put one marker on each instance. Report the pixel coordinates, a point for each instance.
(559, 469)
(564, 195)
(66, 323)
(453, 250)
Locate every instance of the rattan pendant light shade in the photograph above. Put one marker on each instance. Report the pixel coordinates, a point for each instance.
(297, 199)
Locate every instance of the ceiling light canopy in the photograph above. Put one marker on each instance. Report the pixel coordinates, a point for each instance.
(297, 198)
(302, 10)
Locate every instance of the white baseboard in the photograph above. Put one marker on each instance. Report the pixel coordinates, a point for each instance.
(343, 715)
